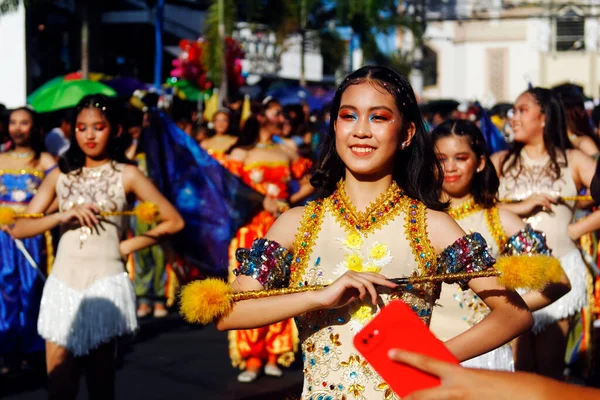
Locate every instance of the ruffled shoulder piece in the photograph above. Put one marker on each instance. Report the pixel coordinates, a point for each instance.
(469, 253)
(526, 241)
(266, 261)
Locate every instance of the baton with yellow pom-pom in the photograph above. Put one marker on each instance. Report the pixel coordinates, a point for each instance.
(145, 212)
(206, 301)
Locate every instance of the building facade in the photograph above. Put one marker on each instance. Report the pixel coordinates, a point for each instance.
(503, 47)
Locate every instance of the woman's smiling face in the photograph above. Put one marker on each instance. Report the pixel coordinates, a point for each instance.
(368, 129)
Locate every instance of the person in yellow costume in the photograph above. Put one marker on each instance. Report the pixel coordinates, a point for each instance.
(379, 217)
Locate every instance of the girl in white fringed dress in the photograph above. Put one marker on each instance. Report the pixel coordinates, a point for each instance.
(88, 300)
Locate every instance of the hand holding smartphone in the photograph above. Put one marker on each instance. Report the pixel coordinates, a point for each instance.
(398, 327)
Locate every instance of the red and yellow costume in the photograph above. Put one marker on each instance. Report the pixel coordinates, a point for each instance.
(220, 156)
(254, 347)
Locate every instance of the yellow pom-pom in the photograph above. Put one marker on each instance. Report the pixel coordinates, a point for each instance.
(147, 212)
(531, 272)
(7, 216)
(205, 301)
(554, 271)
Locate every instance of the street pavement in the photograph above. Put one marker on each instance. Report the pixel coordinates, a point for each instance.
(169, 359)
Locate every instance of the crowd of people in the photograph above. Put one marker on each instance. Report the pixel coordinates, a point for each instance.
(374, 187)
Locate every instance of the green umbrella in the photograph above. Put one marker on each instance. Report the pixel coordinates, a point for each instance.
(50, 85)
(59, 93)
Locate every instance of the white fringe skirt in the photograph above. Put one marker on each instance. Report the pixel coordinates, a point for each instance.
(572, 302)
(82, 320)
(500, 359)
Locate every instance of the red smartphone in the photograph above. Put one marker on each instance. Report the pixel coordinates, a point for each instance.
(398, 327)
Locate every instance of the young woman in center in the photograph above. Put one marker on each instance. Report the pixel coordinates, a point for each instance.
(380, 218)
(471, 187)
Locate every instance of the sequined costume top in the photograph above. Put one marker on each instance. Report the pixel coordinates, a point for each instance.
(17, 187)
(536, 176)
(85, 255)
(389, 237)
(458, 310)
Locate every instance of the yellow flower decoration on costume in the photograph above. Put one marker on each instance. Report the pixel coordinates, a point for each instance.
(353, 241)
(363, 315)
(353, 262)
(378, 251)
(372, 268)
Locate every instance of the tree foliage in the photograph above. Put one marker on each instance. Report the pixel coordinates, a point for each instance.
(213, 60)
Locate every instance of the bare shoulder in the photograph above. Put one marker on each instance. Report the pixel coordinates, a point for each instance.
(511, 222)
(239, 154)
(131, 173)
(205, 144)
(442, 230)
(576, 155)
(47, 161)
(588, 146)
(285, 227)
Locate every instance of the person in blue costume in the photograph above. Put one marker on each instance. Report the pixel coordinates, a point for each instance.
(22, 169)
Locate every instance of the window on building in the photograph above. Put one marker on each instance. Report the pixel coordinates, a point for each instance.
(570, 31)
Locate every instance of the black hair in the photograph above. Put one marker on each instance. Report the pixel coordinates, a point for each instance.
(36, 140)
(556, 140)
(416, 168)
(578, 120)
(74, 158)
(134, 118)
(249, 135)
(484, 186)
(596, 116)
(68, 116)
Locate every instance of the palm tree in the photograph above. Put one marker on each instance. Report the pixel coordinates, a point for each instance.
(219, 23)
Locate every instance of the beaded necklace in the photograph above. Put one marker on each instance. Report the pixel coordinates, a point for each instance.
(20, 156)
(377, 214)
(467, 208)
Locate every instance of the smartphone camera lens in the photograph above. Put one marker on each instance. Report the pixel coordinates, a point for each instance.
(365, 341)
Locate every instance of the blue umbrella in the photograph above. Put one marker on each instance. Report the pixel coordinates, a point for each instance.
(125, 86)
(291, 95)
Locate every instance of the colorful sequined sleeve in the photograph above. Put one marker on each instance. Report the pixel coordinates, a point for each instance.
(526, 241)
(300, 167)
(468, 254)
(267, 262)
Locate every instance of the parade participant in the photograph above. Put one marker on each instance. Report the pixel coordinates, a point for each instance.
(381, 185)
(153, 281)
(22, 169)
(88, 299)
(221, 141)
(538, 170)
(58, 140)
(579, 125)
(471, 186)
(268, 168)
